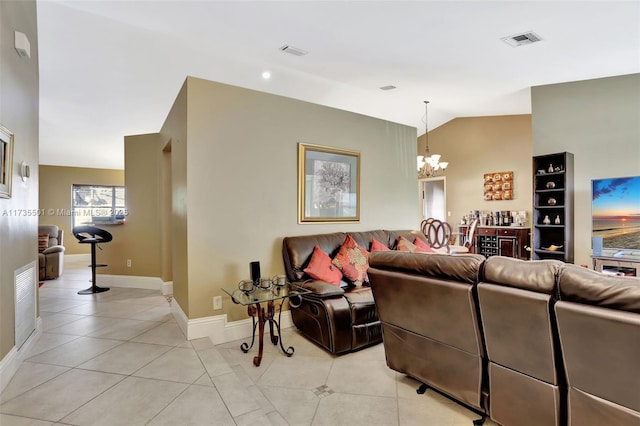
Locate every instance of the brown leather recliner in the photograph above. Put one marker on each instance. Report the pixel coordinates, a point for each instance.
(51, 259)
(430, 326)
(599, 325)
(525, 365)
(339, 319)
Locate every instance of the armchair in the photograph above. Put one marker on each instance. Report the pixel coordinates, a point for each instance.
(50, 252)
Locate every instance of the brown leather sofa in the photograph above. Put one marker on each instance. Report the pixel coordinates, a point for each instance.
(525, 366)
(599, 324)
(51, 258)
(526, 342)
(430, 323)
(339, 319)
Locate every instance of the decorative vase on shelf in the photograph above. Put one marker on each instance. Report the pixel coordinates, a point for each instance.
(550, 168)
(552, 201)
(551, 185)
(546, 220)
(557, 221)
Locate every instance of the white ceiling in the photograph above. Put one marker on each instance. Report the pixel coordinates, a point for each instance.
(113, 68)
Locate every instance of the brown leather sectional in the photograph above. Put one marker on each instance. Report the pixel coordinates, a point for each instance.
(524, 342)
(340, 319)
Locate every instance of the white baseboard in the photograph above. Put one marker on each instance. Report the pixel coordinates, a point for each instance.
(167, 288)
(217, 328)
(130, 281)
(14, 359)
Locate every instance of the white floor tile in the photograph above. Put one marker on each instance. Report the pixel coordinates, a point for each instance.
(48, 341)
(362, 376)
(164, 334)
(294, 372)
(133, 401)
(126, 358)
(177, 365)
(75, 352)
(122, 355)
(340, 409)
(60, 396)
(198, 405)
(28, 376)
(7, 420)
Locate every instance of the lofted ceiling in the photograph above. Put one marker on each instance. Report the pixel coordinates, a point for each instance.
(113, 68)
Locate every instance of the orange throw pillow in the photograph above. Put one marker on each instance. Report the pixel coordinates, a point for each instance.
(424, 246)
(406, 245)
(352, 260)
(378, 246)
(43, 242)
(321, 268)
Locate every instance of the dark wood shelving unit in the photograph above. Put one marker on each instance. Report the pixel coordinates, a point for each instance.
(553, 199)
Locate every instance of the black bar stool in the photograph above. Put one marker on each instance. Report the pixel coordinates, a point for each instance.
(94, 236)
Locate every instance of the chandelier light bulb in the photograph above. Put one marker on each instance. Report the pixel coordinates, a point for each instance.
(429, 165)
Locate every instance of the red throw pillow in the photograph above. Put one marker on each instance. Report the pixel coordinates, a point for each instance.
(352, 260)
(424, 246)
(321, 268)
(378, 246)
(406, 245)
(43, 242)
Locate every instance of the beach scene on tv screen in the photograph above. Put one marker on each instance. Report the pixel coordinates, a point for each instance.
(616, 212)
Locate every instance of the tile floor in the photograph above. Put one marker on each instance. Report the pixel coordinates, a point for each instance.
(119, 359)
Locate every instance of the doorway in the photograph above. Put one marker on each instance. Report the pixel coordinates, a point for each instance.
(433, 198)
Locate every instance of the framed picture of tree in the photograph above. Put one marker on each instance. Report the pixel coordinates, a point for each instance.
(328, 184)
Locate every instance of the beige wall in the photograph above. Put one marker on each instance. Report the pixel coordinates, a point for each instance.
(55, 201)
(478, 145)
(599, 122)
(174, 135)
(19, 106)
(140, 237)
(234, 182)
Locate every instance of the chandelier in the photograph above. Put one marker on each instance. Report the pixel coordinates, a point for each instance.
(429, 165)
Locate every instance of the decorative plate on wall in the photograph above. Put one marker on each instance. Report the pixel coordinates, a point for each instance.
(498, 186)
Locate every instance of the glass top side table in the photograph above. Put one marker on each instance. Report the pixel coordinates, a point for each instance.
(261, 302)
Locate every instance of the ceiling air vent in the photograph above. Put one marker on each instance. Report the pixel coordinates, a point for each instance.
(522, 39)
(293, 50)
(389, 87)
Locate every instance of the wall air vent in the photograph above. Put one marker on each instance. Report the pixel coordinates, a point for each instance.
(522, 39)
(293, 50)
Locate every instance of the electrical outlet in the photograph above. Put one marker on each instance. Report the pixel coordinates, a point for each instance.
(217, 303)
(128, 263)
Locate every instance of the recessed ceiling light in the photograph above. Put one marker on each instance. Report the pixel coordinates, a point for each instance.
(389, 87)
(521, 39)
(293, 50)
(266, 74)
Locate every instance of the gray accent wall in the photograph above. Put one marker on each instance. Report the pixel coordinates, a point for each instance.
(599, 122)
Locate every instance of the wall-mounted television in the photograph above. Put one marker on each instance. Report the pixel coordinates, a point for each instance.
(615, 209)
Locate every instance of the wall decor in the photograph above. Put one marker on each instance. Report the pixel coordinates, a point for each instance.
(328, 184)
(498, 186)
(6, 162)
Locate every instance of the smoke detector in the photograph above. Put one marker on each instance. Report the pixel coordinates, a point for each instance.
(522, 39)
(293, 50)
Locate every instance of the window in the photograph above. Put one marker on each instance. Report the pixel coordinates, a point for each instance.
(97, 204)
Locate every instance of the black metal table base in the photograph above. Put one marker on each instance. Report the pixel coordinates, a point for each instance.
(264, 317)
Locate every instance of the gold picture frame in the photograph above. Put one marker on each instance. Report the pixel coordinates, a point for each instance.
(6, 162)
(328, 184)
